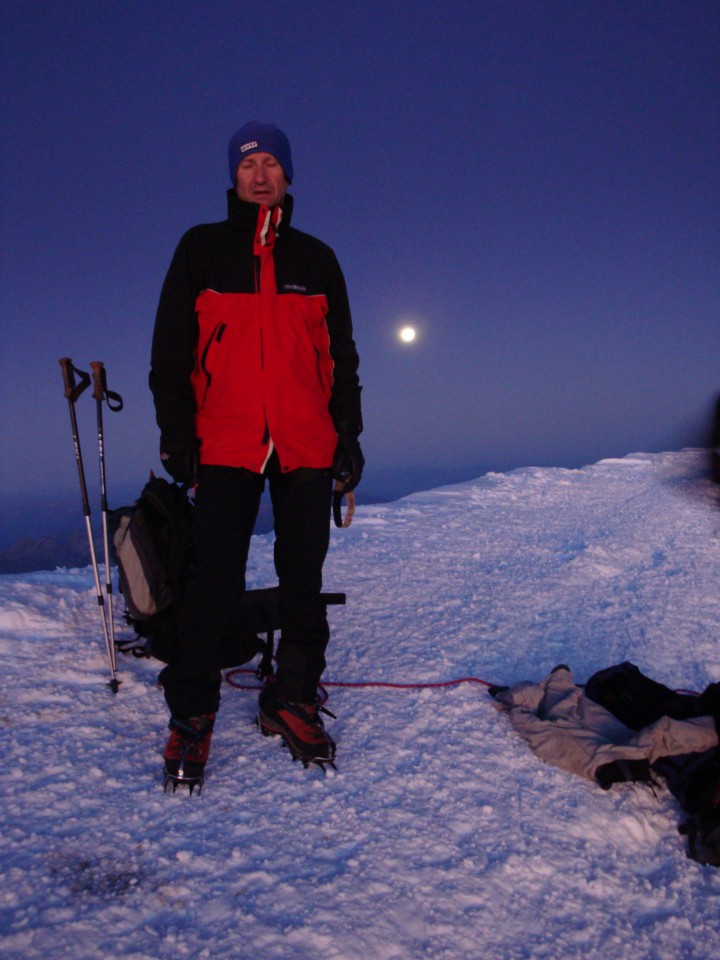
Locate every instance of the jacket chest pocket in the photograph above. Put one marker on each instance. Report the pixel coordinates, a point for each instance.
(301, 321)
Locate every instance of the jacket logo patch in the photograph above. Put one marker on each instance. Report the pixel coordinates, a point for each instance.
(294, 286)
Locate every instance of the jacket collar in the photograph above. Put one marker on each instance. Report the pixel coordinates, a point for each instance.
(246, 215)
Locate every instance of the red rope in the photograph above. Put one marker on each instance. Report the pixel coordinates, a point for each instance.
(407, 686)
(229, 677)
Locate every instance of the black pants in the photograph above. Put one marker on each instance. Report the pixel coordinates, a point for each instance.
(226, 506)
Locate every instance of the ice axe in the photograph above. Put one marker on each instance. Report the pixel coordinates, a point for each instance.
(338, 495)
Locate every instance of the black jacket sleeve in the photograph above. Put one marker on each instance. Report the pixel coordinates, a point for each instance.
(173, 354)
(345, 408)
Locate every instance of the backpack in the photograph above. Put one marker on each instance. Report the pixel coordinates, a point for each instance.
(153, 547)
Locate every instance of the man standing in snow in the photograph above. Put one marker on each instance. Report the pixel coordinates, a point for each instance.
(254, 378)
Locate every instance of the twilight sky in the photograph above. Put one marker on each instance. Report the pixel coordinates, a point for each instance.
(534, 183)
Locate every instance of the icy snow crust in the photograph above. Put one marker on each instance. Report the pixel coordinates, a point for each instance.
(441, 835)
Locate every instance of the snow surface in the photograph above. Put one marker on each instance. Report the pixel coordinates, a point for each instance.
(441, 835)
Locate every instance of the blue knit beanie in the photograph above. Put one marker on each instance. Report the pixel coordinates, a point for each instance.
(257, 137)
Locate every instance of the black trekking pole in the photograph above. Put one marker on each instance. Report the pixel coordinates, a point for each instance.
(72, 391)
(115, 404)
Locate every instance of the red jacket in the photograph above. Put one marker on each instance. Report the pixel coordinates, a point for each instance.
(253, 344)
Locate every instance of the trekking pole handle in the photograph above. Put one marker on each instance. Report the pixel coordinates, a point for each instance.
(99, 380)
(100, 389)
(72, 389)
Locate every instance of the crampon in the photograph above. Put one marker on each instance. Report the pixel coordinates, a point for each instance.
(186, 752)
(301, 728)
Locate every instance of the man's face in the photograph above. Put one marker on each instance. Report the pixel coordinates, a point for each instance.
(261, 179)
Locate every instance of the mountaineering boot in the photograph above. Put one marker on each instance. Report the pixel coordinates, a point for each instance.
(187, 750)
(300, 726)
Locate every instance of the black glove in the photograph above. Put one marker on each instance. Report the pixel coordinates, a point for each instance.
(181, 463)
(348, 462)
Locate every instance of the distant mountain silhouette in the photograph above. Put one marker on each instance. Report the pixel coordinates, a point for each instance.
(46, 553)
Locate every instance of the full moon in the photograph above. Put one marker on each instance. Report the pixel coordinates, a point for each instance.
(407, 334)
